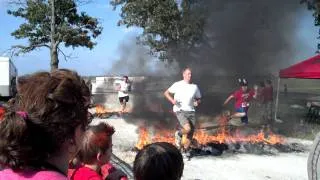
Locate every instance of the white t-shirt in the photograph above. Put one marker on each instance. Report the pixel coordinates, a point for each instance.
(185, 95)
(123, 89)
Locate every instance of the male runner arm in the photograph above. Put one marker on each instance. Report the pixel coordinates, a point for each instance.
(118, 86)
(253, 94)
(169, 97)
(228, 99)
(197, 102)
(197, 98)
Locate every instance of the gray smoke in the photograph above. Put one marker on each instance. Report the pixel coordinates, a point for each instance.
(242, 38)
(247, 37)
(136, 60)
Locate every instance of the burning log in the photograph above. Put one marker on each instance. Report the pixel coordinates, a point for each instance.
(143, 138)
(214, 145)
(203, 138)
(225, 137)
(101, 112)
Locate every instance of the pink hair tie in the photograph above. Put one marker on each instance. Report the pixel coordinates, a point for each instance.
(23, 114)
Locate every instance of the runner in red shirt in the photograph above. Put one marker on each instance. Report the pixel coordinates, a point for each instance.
(242, 98)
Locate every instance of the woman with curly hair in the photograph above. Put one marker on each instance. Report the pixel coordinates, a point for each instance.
(42, 131)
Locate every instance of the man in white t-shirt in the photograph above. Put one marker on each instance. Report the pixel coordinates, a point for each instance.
(186, 96)
(123, 90)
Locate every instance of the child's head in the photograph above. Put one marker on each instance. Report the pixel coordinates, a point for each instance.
(158, 161)
(48, 119)
(96, 147)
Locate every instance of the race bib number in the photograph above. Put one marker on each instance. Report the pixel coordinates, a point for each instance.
(245, 104)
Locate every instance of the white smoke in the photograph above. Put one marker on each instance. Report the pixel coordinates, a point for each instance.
(136, 60)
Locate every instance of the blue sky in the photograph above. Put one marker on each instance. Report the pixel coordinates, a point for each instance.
(101, 58)
(88, 62)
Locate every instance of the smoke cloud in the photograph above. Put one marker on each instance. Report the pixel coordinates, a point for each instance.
(136, 60)
(247, 37)
(242, 38)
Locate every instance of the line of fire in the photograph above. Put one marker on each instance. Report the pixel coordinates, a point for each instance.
(213, 133)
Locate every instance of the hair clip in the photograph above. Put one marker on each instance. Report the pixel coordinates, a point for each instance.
(23, 114)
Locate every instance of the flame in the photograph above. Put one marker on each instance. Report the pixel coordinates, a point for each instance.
(100, 109)
(202, 138)
(143, 138)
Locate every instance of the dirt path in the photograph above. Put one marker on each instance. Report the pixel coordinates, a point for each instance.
(292, 166)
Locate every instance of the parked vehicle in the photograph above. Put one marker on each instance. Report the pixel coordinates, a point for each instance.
(8, 78)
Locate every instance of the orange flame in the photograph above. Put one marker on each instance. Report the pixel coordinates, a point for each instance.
(202, 138)
(143, 138)
(100, 109)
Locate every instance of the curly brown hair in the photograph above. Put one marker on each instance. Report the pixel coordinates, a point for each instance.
(55, 106)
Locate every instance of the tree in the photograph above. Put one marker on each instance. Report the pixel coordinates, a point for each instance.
(52, 23)
(170, 28)
(314, 5)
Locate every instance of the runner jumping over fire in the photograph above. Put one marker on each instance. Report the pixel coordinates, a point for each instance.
(186, 96)
(123, 90)
(242, 98)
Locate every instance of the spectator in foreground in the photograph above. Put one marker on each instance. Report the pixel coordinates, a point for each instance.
(2, 112)
(158, 161)
(43, 129)
(95, 152)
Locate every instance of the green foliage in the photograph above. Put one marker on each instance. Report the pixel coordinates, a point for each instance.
(314, 5)
(169, 28)
(71, 28)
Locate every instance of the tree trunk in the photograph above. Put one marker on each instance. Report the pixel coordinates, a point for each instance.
(54, 63)
(54, 58)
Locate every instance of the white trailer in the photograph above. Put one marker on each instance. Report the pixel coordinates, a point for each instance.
(8, 78)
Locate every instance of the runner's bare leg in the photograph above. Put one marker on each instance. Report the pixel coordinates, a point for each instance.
(186, 142)
(238, 115)
(123, 105)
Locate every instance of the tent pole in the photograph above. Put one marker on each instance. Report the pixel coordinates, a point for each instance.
(277, 100)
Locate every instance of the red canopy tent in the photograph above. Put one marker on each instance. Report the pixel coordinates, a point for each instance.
(307, 69)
